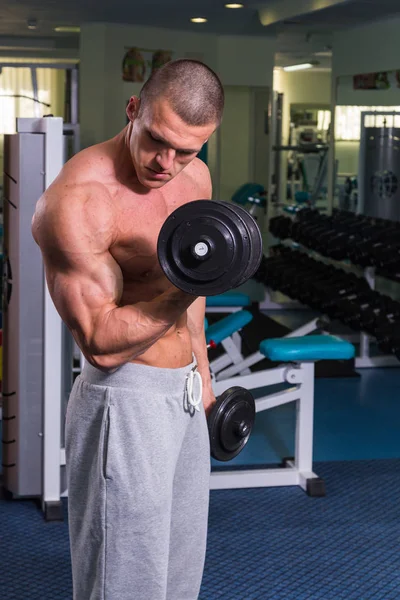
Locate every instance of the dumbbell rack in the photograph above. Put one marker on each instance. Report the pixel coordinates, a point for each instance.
(285, 229)
(365, 360)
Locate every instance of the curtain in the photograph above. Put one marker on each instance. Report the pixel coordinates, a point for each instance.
(17, 81)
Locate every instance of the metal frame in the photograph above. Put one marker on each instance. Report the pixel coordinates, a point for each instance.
(299, 471)
(52, 128)
(224, 309)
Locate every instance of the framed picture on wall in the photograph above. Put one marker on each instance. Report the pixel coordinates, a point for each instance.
(139, 63)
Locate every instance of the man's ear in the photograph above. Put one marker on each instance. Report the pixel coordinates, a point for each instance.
(132, 110)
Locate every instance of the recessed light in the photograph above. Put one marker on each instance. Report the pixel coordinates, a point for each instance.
(198, 20)
(300, 67)
(31, 23)
(234, 5)
(67, 29)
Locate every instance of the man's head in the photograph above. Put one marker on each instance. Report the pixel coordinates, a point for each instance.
(178, 109)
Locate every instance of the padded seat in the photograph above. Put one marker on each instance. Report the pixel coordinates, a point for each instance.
(307, 348)
(228, 299)
(217, 332)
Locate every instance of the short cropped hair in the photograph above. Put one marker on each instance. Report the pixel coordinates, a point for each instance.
(192, 89)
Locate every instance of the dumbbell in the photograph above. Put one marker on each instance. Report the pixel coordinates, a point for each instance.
(305, 233)
(318, 274)
(261, 272)
(381, 310)
(339, 247)
(388, 338)
(386, 256)
(350, 309)
(280, 227)
(334, 300)
(230, 423)
(208, 247)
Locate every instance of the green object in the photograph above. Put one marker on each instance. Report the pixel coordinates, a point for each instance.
(241, 196)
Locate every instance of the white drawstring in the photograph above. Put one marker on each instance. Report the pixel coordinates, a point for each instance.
(194, 401)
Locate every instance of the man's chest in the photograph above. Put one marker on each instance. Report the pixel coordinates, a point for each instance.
(139, 220)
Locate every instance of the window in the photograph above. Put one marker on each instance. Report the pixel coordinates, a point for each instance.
(348, 120)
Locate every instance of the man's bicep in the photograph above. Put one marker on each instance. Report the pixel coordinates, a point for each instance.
(84, 294)
(83, 278)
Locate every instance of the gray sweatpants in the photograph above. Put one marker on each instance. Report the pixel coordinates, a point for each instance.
(138, 468)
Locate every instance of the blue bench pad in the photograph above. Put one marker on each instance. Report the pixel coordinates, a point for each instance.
(307, 348)
(219, 331)
(229, 299)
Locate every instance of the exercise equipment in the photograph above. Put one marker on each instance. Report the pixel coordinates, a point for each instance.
(208, 247)
(230, 423)
(295, 357)
(227, 302)
(364, 241)
(335, 292)
(35, 370)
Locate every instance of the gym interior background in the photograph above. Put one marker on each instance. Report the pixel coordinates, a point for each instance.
(312, 152)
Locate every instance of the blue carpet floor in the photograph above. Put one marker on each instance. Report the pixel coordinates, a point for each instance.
(272, 544)
(264, 544)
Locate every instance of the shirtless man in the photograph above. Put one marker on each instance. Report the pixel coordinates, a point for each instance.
(137, 445)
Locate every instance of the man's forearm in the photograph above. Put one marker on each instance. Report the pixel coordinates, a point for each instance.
(199, 346)
(126, 332)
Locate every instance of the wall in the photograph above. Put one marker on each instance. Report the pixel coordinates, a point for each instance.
(370, 48)
(237, 60)
(346, 95)
(235, 141)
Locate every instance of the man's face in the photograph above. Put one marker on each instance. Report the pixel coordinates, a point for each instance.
(162, 144)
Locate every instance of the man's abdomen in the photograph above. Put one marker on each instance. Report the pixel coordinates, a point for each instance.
(172, 351)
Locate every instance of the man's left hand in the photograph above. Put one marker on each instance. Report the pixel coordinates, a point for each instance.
(208, 399)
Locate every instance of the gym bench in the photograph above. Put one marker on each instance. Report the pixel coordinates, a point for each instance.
(227, 303)
(296, 356)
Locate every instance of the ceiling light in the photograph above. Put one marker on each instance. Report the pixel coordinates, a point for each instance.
(298, 67)
(67, 29)
(234, 5)
(198, 20)
(31, 23)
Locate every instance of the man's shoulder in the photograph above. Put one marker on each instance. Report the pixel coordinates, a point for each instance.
(80, 186)
(200, 176)
(90, 164)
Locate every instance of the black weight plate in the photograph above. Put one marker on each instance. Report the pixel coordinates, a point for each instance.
(254, 239)
(196, 221)
(230, 423)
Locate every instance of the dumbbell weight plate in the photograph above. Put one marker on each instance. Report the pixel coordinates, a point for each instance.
(207, 247)
(255, 240)
(230, 423)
